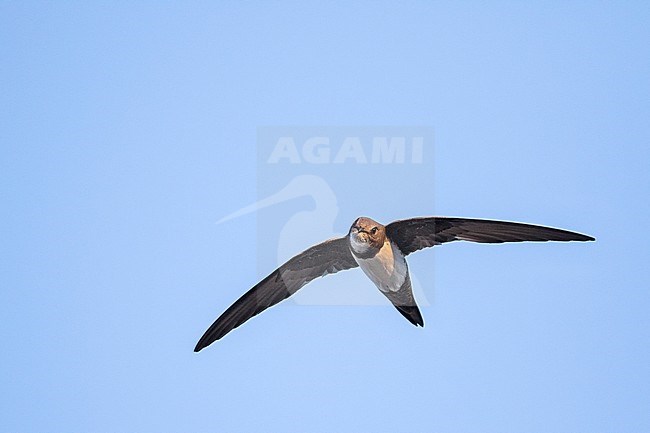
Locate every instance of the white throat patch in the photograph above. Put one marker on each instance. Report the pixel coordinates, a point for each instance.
(358, 246)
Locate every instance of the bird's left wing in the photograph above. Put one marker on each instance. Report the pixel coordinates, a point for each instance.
(325, 258)
(416, 233)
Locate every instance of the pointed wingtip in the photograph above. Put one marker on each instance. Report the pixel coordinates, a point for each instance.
(581, 237)
(199, 346)
(203, 343)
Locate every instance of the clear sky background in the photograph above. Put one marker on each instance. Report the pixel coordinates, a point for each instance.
(127, 129)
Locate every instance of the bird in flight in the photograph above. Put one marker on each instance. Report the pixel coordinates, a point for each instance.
(380, 251)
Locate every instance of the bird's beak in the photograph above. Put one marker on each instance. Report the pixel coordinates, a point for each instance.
(359, 234)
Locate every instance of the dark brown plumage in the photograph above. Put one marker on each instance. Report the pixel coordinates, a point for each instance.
(335, 255)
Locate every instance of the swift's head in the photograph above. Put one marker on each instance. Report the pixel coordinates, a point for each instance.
(366, 236)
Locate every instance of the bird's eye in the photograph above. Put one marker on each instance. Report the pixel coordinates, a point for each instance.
(374, 230)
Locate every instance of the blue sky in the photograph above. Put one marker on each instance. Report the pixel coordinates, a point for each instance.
(128, 129)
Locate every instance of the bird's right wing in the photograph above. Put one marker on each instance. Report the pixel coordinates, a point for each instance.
(416, 233)
(325, 258)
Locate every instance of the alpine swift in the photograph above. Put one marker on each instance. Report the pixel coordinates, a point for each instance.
(380, 252)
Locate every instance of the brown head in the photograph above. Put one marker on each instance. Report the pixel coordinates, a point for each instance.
(366, 237)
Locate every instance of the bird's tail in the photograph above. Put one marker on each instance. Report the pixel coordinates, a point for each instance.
(412, 314)
(404, 301)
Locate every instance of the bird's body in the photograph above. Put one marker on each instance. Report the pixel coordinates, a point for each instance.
(380, 251)
(383, 262)
(387, 269)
